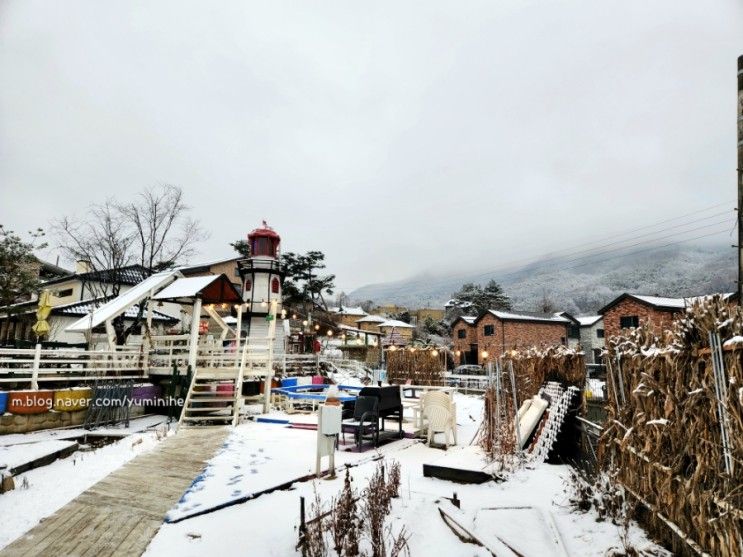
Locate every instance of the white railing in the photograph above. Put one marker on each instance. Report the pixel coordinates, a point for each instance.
(37, 365)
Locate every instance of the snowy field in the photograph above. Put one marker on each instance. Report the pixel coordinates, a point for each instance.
(526, 512)
(40, 492)
(258, 455)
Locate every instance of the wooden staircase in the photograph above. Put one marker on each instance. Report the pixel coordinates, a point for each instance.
(215, 395)
(213, 399)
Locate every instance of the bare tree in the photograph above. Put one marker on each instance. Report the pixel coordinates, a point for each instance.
(164, 233)
(103, 240)
(154, 231)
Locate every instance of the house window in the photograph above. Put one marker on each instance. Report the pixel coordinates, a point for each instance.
(64, 293)
(248, 285)
(629, 321)
(489, 330)
(461, 333)
(275, 286)
(237, 271)
(574, 331)
(599, 333)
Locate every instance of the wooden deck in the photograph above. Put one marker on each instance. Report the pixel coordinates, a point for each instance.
(121, 513)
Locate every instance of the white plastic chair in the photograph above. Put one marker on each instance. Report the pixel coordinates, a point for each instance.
(441, 415)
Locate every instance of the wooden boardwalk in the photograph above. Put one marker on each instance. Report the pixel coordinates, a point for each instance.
(121, 513)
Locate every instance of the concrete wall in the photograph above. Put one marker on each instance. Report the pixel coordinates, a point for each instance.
(590, 340)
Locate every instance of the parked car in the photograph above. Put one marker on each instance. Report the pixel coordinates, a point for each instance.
(468, 370)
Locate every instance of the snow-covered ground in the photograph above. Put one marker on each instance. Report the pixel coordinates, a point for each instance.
(257, 455)
(40, 492)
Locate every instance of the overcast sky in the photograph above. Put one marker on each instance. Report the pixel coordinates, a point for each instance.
(397, 137)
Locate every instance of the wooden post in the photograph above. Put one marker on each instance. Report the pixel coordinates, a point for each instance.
(740, 180)
(193, 341)
(238, 331)
(35, 373)
(146, 338)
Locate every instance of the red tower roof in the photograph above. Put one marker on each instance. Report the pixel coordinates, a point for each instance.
(264, 231)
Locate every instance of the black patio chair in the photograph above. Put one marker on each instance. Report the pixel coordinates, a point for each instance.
(365, 420)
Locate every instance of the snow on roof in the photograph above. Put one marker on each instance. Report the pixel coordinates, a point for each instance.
(86, 306)
(397, 324)
(588, 320)
(457, 303)
(664, 301)
(185, 287)
(527, 316)
(372, 319)
(123, 302)
(360, 331)
(343, 310)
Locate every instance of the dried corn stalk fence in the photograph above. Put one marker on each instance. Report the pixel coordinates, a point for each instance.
(674, 433)
(515, 378)
(421, 367)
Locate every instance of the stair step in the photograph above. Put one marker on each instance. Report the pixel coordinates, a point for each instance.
(211, 398)
(224, 418)
(212, 409)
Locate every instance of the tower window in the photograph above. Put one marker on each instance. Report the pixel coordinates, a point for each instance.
(275, 285)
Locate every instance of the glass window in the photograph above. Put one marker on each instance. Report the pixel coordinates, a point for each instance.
(275, 286)
(248, 285)
(489, 330)
(629, 321)
(600, 333)
(461, 333)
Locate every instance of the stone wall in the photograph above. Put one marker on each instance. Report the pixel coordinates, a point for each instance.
(25, 423)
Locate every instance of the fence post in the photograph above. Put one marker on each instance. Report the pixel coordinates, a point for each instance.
(35, 373)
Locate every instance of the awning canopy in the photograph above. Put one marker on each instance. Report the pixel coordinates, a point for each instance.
(212, 289)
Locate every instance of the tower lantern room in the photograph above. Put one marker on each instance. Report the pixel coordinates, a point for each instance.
(264, 242)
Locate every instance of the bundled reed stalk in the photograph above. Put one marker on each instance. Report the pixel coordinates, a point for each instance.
(422, 367)
(663, 433)
(533, 367)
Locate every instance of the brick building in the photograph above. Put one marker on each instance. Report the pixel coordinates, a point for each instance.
(464, 339)
(631, 310)
(495, 332)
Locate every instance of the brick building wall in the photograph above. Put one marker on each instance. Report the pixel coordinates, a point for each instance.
(509, 335)
(628, 307)
(462, 345)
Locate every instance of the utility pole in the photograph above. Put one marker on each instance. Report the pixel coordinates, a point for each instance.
(740, 180)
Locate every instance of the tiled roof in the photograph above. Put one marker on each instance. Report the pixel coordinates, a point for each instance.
(130, 275)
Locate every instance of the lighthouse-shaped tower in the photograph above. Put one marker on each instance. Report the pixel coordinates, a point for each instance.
(262, 277)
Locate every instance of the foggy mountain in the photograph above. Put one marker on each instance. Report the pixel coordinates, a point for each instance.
(578, 287)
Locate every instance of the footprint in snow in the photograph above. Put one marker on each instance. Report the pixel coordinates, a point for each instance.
(253, 471)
